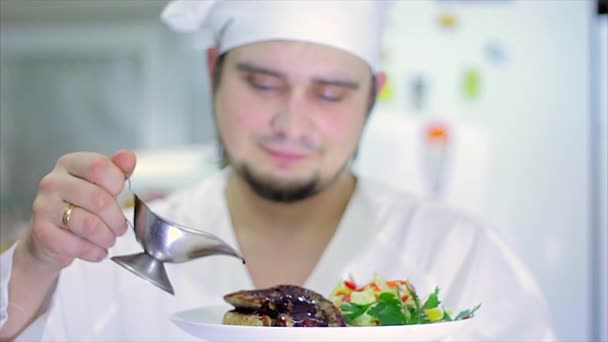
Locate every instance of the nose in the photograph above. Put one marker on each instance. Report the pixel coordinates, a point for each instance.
(294, 119)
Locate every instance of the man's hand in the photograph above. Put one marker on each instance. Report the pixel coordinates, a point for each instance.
(88, 184)
(75, 215)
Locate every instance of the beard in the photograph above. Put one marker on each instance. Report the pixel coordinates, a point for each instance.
(283, 192)
(280, 192)
(276, 190)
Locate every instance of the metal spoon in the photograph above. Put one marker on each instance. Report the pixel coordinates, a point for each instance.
(166, 241)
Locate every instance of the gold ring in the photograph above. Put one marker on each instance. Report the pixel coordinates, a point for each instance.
(66, 216)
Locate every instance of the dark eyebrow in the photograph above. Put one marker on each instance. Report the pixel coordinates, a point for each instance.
(338, 83)
(253, 68)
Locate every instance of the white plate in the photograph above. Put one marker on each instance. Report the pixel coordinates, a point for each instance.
(205, 323)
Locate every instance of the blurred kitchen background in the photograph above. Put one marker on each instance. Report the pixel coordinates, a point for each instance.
(497, 107)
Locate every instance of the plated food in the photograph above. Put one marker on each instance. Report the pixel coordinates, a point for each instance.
(283, 306)
(378, 302)
(393, 302)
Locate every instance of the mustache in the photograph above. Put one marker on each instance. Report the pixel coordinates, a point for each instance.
(282, 141)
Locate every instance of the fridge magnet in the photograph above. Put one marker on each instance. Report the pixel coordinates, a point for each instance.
(418, 87)
(436, 155)
(496, 52)
(447, 20)
(471, 84)
(386, 93)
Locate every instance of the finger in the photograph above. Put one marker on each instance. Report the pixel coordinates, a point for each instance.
(125, 160)
(79, 221)
(95, 168)
(58, 241)
(92, 198)
(90, 227)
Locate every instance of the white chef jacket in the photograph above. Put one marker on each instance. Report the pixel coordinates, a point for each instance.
(382, 231)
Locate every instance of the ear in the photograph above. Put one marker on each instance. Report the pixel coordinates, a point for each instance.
(380, 81)
(212, 55)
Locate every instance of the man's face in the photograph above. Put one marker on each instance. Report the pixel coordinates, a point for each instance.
(290, 115)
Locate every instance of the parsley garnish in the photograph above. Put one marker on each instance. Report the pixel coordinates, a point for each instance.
(467, 313)
(415, 314)
(352, 311)
(433, 300)
(388, 310)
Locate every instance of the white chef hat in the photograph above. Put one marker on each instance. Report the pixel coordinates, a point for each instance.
(353, 26)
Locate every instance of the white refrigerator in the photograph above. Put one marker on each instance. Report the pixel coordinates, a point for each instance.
(515, 86)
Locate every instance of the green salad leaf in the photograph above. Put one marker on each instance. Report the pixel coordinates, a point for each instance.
(467, 313)
(391, 303)
(433, 300)
(352, 311)
(388, 310)
(415, 314)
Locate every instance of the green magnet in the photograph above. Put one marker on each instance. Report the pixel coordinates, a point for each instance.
(471, 84)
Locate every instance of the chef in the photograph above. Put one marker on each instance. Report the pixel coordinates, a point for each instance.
(293, 84)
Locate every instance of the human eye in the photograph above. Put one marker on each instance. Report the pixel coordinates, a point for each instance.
(263, 82)
(331, 93)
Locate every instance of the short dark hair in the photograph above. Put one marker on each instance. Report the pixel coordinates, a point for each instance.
(217, 78)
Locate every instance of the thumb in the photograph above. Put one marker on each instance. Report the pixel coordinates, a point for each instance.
(125, 160)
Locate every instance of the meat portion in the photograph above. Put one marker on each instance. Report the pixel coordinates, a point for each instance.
(235, 317)
(284, 306)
